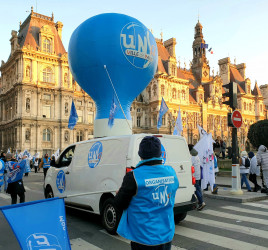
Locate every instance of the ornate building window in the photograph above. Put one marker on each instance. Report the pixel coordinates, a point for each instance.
(90, 117)
(162, 90)
(28, 104)
(174, 93)
(183, 95)
(249, 92)
(154, 90)
(47, 111)
(47, 75)
(66, 79)
(260, 108)
(138, 121)
(66, 136)
(79, 136)
(27, 135)
(46, 135)
(245, 106)
(250, 107)
(80, 115)
(47, 45)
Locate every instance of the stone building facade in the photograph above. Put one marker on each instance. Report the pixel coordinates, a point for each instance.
(37, 89)
(198, 94)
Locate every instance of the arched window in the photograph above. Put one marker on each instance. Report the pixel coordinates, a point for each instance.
(250, 107)
(162, 90)
(183, 95)
(79, 136)
(174, 93)
(261, 108)
(138, 121)
(245, 106)
(47, 75)
(46, 135)
(47, 45)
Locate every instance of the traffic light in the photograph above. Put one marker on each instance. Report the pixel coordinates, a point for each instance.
(232, 94)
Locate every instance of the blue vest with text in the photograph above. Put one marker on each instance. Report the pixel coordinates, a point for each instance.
(46, 163)
(149, 219)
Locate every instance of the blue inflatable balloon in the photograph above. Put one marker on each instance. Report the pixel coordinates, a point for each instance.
(125, 47)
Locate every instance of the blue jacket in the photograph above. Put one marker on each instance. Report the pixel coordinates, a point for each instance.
(46, 163)
(151, 207)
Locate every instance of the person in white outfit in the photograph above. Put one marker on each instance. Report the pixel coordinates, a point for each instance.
(262, 159)
(254, 171)
(244, 170)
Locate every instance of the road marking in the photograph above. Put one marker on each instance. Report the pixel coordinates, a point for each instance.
(235, 217)
(259, 205)
(245, 210)
(4, 196)
(26, 188)
(80, 244)
(118, 237)
(215, 239)
(227, 226)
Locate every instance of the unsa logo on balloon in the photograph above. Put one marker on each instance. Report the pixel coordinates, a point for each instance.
(135, 41)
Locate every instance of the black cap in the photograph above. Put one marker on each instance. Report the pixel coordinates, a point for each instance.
(150, 147)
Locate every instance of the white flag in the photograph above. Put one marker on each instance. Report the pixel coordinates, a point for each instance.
(57, 154)
(178, 125)
(202, 131)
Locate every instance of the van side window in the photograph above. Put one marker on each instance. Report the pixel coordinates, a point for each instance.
(66, 157)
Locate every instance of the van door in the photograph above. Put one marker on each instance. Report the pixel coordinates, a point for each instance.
(61, 178)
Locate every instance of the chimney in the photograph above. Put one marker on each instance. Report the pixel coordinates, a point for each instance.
(170, 46)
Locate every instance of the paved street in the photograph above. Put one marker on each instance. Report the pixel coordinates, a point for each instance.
(221, 225)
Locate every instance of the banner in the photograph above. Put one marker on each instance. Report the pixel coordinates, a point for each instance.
(15, 170)
(163, 109)
(178, 126)
(39, 224)
(73, 117)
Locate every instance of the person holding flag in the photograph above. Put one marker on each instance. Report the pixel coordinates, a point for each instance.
(163, 109)
(15, 173)
(178, 125)
(73, 117)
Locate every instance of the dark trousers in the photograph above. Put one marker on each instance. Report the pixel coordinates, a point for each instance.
(14, 198)
(253, 179)
(198, 191)
(45, 172)
(137, 246)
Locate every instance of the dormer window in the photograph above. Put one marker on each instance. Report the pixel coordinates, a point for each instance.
(47, 75)
(47, 45)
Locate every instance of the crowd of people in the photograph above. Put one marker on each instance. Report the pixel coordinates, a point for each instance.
(13, 169)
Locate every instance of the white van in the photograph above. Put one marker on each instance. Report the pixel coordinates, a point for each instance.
(100, 165)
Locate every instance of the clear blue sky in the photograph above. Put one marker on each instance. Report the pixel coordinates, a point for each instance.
(234, 28)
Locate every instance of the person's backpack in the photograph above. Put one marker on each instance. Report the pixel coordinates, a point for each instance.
(247, 162)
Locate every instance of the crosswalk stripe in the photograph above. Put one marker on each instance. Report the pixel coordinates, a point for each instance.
(80, 244)
(26, 188)
(128, 241)
(227, 226)
(259, 205)
(245, 210)
(4, 196)
(235, 217)
(216, 239)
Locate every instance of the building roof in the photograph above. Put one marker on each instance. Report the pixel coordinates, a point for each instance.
(240, 89)
(235, 76)
(256, 91)
(191, 98)
(30, 29)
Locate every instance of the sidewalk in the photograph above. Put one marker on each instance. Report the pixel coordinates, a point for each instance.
(225, 186)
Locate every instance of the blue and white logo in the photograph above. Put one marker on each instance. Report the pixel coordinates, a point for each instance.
(43, 241)
(61, 181)
(136, 43)
(164, 154)
(94, 154)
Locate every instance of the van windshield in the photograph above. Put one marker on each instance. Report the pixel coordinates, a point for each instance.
(66, 157)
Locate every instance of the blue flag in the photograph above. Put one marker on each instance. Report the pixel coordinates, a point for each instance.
(163, 110)
(15, 170)
(113, 110)
(39, 224)
(73, 117)
(178, 126)
(204, 46)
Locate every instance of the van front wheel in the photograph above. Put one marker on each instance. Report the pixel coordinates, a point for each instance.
(179, 217)
(110, 216)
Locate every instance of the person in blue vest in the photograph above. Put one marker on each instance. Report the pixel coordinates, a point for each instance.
(147, 197)
(15, 173)
(45, 164)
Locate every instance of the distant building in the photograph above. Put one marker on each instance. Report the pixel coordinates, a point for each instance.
(37, 90)
(198, 93)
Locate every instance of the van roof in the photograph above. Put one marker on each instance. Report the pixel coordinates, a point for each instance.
(124, 136)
